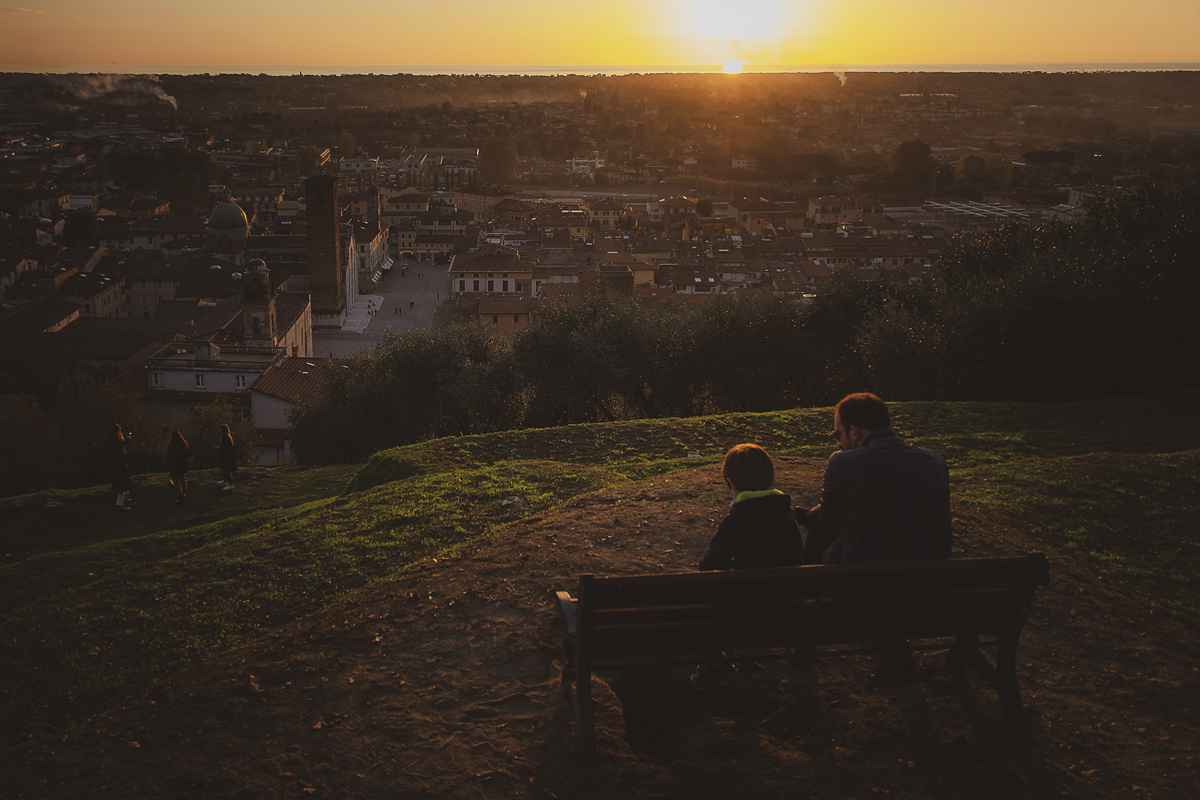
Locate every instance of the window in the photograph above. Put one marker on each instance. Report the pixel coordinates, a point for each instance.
(462, 286)
(240, 380)
(516, 319)
(156, 378)
(491, 286)
(199, 380)
(476, 287)
(495, 319)
(504, 286)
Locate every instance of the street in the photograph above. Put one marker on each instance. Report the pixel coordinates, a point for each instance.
(403, 300)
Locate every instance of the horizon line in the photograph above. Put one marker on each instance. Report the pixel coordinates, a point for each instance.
(590, 70)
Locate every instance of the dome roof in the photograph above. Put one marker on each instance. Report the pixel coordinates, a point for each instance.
(228, 217)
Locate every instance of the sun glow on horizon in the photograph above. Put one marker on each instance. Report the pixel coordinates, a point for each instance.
(718, 32)
(732, 67)
(635, 33)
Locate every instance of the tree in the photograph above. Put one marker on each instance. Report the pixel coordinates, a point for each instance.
(498, 162)
(912, 166)
(202, 432)
(741, 373)
(1092, 309)
(450, 381)
(984, 170)
(31, 445)
(86, 413)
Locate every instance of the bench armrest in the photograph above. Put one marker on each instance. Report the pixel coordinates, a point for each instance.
(566, 607)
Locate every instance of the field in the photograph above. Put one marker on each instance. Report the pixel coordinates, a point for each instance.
(386, 629)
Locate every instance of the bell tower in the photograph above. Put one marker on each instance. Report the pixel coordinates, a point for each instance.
(326, 267)
(259, 324)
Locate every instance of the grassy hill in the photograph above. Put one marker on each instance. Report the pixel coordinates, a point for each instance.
(97, 603)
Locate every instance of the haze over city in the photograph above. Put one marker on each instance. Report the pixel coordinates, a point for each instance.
(59, 35)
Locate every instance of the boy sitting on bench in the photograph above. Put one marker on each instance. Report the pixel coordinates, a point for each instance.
(760, 529)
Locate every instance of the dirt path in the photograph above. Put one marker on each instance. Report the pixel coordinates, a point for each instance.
(446, 684)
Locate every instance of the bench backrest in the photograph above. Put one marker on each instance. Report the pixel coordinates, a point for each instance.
(741, 609)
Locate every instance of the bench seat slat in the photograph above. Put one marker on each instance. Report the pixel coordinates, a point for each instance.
(708, 634)
(870, 577)
(802, 602)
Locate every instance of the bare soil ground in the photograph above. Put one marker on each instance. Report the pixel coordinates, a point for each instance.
(445, 683)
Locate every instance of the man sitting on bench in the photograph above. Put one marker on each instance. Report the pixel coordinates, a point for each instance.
(883, 499)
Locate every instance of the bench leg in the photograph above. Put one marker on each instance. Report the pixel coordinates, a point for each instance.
(1005, 680)
(1002, 674)
(583, 699)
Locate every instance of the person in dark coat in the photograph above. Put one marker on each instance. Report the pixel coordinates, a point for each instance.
(177, 465)
(118, 468)
(883, 499)
(760, 529)
(227, 461)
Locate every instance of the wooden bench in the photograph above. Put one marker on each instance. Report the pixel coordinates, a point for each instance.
(634, 621)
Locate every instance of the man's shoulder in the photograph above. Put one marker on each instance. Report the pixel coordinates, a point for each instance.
(883, 445)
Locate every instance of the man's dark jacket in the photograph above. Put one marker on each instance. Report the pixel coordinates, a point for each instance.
(886, 500)
(757, 532)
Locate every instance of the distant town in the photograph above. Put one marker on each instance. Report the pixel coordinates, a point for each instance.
(202, 238)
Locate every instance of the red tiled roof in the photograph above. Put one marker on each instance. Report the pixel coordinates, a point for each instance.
(295, 379)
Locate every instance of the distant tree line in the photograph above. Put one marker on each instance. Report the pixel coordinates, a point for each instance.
(1102, 307)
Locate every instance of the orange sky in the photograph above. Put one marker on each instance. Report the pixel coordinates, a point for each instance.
(662, 33)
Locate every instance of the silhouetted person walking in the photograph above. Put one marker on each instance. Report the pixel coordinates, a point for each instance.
(118, 468)
(177, 465)
(227, 460)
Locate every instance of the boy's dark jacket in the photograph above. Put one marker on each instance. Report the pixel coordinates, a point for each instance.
(758, 532)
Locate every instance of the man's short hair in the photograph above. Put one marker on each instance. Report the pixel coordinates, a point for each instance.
(863, 410)
(749, 468)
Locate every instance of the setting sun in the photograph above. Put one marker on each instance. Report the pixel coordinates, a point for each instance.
(733, 67)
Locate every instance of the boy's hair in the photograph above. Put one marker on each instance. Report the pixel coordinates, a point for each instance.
(749, 468)
(863, 410)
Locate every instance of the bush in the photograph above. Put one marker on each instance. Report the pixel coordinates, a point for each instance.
(1099, 308)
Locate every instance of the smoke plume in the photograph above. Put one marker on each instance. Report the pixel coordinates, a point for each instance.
(89, 87)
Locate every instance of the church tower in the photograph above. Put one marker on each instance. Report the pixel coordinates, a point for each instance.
(326, 267)
(259, 323)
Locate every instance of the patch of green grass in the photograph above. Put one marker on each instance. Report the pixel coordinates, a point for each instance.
(994, 432)
(966, 433)
(1128, 516)
(94, 622)
(62, 520)
(634, 449)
